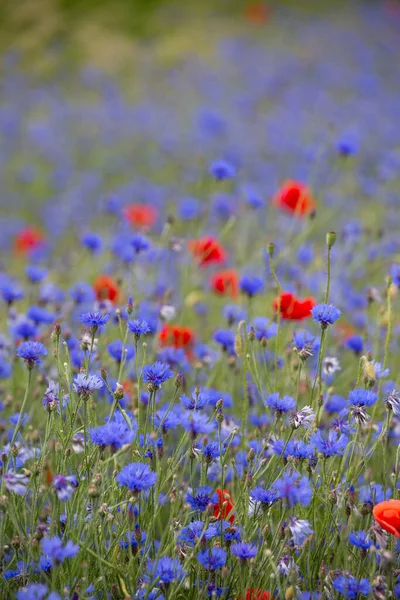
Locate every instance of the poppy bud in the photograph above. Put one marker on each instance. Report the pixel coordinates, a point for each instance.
(330, 239)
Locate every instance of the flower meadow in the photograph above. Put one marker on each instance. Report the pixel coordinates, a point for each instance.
(199, 318)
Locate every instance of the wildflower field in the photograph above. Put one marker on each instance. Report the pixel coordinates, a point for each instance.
(199, 312)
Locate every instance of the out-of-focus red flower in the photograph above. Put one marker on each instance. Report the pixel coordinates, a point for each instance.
(176, 335)
(225, 283)
(387, 514)
(28, 239)
(256, 12)
(207, 251)
(294, 197)
(223, 509)
(256, 594)
(141, 216)
(106, 288)
(292, 308)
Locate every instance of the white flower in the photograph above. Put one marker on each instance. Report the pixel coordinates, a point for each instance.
(330, 365)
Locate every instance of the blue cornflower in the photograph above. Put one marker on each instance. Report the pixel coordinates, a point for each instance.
(31, 353)
(374, 493)
(266, 497)
(335, 403)
(360, 397)
(82, 292)
(197, 423)
(264, 328)
(166, 570)
(326, 314)
(202, 498)
(395, 273)
(296, 448)
(10, 293)
(189, 208)
(85, 385)
(35, 274)
(300, 530)
(16, 482)
(293, 488)
(360, 539)
(196, 531)
(197, 401)
(115, 433)
(251, 285)
(55, 549)
(350, 587)
(93, 242)
(34, 591)
(211, 451)
(244, 550)
(24, 328)
(156, 374)
(64, 486)
(95, 321)
(233, 314)
(212, 559)
(137, 477)
(120, 351)
(138, 328)
(280, 405)
(139, 243)
(226, 339)
(354, 343)
(39, 315)
(222, 169)
(334, 444)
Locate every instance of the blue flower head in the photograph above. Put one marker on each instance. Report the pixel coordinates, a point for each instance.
(294, 488)
(85, 385)
(201, 499)
(222, 169)
(137, 477)
(31, 353)
(244, 550)
(54, 548)
(138, 328)
(280, 405)
(95, 321)
(157, 374)
(325, 314)
(350, 587)
(360, 397)
(212, 559)
(251, 285)
(332, 444)
(166, 570)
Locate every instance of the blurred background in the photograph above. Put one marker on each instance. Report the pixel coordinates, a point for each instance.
(132, 98)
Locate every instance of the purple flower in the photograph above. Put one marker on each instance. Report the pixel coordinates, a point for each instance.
(54, 548)
(94, 321)
(294, 488)
(351, 587)
(280, 405)
(138, 328)
(212, 559)
(157, 374)
(360, 539)
(332, 444)
(221, 169)
(201, 499)
(360, 397)
(85, 385)
(325, 314)
(265, 497)
(31, 353)
(64, 486)
(16, 482)
(244, 550)
(165, 570)
(137, 477)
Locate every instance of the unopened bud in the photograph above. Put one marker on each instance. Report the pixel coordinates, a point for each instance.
(330, 239)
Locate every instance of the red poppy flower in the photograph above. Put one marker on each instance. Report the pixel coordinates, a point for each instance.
(106, 288)
(257, 594)
(177, 336)
(141, 216)
(223, 509)
(207, 250)
(256, 12)
(295, 197)
(387, 514)
(28, 239)
(294, 309)
(225, 283)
